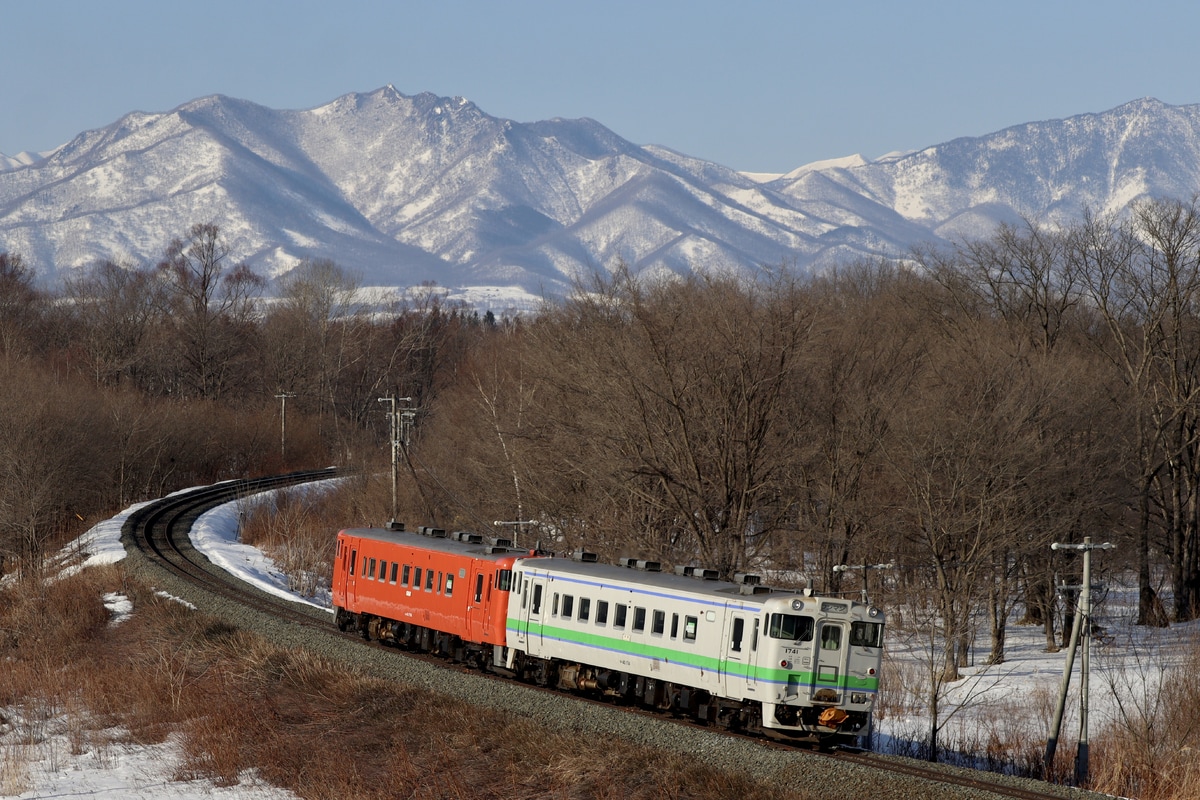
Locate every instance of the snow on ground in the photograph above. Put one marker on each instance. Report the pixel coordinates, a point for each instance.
(36, 755)
(1128, 665)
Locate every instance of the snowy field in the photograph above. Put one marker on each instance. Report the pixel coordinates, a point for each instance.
(1018, 697)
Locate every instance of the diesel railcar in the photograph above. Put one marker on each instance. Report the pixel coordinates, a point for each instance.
(733, 653)
(738, 653)
(425, 590)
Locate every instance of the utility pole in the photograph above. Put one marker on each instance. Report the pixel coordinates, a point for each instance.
(394, 436)
(282, 397)
(1081, 627)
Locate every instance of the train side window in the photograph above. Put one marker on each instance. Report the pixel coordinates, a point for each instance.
(437, 587)
(585, 608)
(568, 605)
(689, 629)
(429, 580)
(479, 588)
(537, 599)
(602, 612)
(619, 614)
(417, 578)
(395, 569)
(739, 627)
(639, 619)
(405, 575)
(674, 626)
(449, 584)
(659, 624)
(371, 574)
(554, 607)
(353, 558)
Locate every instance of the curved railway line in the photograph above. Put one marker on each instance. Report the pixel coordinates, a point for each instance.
(160, 533)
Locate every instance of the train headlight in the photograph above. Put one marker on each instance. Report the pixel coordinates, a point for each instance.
(797, 605)
(872, 612)
(858, 697)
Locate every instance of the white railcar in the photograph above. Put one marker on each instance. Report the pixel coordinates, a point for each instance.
(734, 653)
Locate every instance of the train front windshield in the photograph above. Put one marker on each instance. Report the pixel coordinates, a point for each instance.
(793, 627)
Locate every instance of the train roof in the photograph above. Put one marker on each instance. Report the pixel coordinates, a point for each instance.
(748, 592)
(436, 540)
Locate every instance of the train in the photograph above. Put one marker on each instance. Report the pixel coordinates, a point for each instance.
(735, 653)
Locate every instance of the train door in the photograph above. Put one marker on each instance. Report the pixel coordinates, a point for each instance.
(350, 567)
(478, 607)
(737, 648)
(529, 628)
(830, 663)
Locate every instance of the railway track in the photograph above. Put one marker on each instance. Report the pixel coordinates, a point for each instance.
(160, 531)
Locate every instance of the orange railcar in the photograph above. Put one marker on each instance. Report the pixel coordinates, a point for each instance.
(424, 590)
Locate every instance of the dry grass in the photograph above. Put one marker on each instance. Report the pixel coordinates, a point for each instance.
(322, 731)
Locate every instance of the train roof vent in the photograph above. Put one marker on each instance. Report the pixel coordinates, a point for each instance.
(697, 572)
(492, 550)
(496, 542)
(468, 537)
(750, 588)
(394, 526)
(429, 530)
(584, 555)
(747, 578)
(642, 564)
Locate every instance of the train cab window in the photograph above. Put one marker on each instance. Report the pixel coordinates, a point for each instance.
(866, 634)
(674, 626)
(568, 606)
(437, 587)
(619, 614)
(537, 599)
(660, 623)
(739, 628)
(790, 626)
(585, 608)
(602, 612)
(504, 580)
(689, 629)
(449, 584)
(429, 580)
(831, 637)
(754, 637)
(404, 575)
(416, 584)
(395, 569)
(479, 588)
(639, 619)
(371, 574)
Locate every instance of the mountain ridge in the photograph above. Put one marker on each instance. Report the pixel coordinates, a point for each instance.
(405, 190)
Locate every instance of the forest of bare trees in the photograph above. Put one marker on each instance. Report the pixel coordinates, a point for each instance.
(952, 414)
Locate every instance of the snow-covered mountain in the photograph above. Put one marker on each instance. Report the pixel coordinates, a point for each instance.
(407, 189)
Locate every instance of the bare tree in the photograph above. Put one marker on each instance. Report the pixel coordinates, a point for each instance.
(211, 303)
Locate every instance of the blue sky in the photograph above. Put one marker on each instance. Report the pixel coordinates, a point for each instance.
(757, 86)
